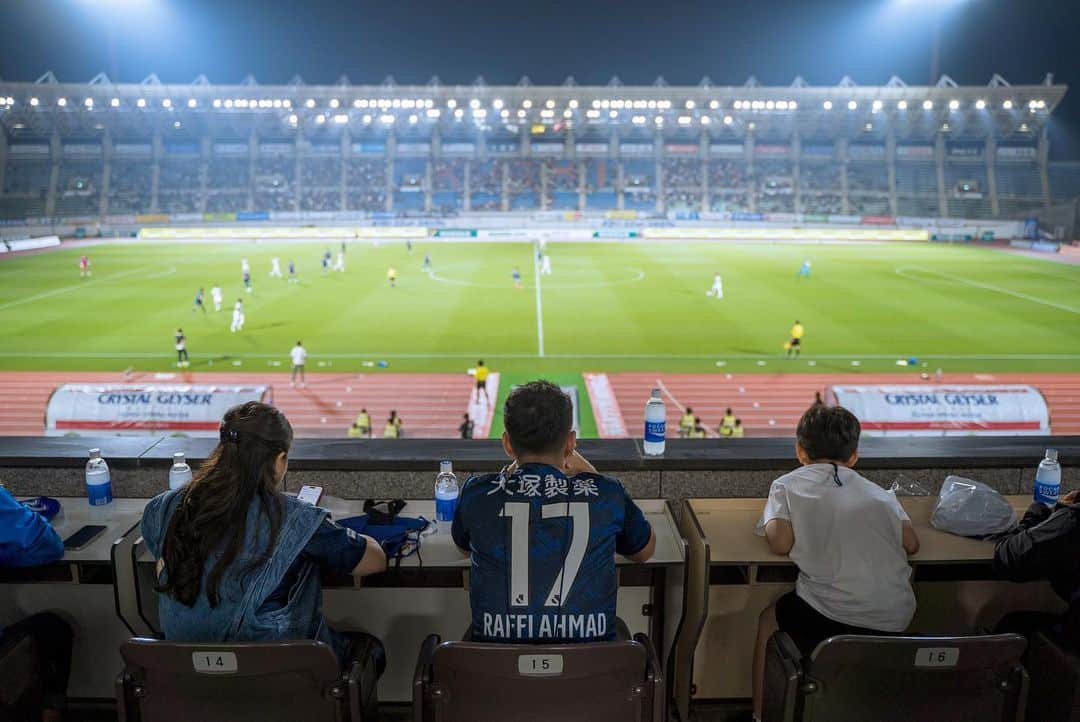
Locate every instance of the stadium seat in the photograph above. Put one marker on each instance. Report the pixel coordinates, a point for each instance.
(896, 679)
(265, 681)
(594, 682)
(1055, 681)
(20, 688)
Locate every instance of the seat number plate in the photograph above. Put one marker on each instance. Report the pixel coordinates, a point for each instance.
(937, 656)
(540, 664)
(214, 662)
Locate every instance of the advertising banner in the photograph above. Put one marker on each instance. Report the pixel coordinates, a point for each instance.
(230, 148)
(547, 149)
(28, 149)
(915, 152)
(458, 148)
(152, 218)
(747, 233)
(727, 149)
(926, 410)
(414, 148)
(592, 148)
(636, 148)
(682, 148)
(127, 149)
(138, 408)
(454, 233)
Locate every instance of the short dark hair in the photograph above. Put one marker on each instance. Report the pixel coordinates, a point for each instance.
(828, 432)
(538, 417)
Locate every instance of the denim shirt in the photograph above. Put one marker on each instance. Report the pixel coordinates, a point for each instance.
(242, 612)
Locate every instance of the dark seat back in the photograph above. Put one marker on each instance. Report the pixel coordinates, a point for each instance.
(593, 682)
(1055, 680)
(166, 681)
(897, 679)
(20, 684)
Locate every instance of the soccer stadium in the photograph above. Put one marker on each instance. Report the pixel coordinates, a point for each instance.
(206, 284)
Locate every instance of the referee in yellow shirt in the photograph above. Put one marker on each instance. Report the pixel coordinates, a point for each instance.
(793, 346)
(482, 372)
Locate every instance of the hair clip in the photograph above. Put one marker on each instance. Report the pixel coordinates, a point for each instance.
(228, 434)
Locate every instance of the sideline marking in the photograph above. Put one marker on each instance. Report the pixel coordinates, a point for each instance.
(539, 304)
(664, 390)
(900, 270)
(84, 284)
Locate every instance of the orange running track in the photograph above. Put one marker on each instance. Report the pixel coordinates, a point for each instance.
(430, 405)
(781, 398)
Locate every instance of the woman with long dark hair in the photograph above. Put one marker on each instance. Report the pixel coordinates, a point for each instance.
(238, 560)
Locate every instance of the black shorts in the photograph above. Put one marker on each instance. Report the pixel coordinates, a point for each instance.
(481, 384)
(795, 342)
(808, 627)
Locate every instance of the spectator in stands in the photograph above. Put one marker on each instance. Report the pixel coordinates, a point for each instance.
(1045, 545)
(466, 428)
(363, 422)
(543, 500)
(27, 540)
(232, 518)
(686, 423)
(849, 538)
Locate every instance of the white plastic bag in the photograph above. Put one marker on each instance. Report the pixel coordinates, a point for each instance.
(970, 508)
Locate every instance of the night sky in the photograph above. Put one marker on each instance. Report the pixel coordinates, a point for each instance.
(592, 40)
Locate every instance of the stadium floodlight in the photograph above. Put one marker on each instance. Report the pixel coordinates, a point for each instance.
(549, 104)
(592, 113)
(751, 125)
(868, 127)
(705, 120)
(573, 104)
(497, 104)
(176, 124)
(568, 113)
(792, 105)
(928, 105)
(479, 113)
(217, 102)
(596, 104)
(458, 113)
(827, 105)
(287, 104)
(115, 102)
(613, 114)
(474, 103)
(358, 103)
(1007, 105)
(433, 113)
(277, 103)
(638, 120)
(652, 105)
(366, 119)
(61, 102)
(89, 102)
(901, 105)
(980, 104)
(192, 102)
(141, 102)
(342, 118)
(451, 104)
(547, 113)
(852, 105)
(33, 102)
(714, 104)
(320, 118)
(526, 104)
(293, 119)
(414, 119)
(728, 120)
(334, 102)
(781, 105)
(659, 120)
(684, 120)
(505, 113)
(386, 119)
(166, 103)
(954, 104)
(521, 113)
(875, 106)
(309, 103)
(689, 105)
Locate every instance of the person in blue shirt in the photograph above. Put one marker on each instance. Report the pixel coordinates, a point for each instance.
(232, 520)
(544, 532)
(27, 540)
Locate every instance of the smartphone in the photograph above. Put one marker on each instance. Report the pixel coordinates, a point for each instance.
(82, 538)
(311, 494)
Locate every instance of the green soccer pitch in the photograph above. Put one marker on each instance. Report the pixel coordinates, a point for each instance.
(607, 306)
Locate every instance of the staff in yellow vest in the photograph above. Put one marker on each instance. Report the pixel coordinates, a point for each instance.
(355, 432)
(727, 424)
(686, 423)
(363, 423)
(737, 431)
(392, 430)
(698, 430)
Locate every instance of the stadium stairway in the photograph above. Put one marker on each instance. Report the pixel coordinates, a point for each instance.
(430, 405)
(780, 399)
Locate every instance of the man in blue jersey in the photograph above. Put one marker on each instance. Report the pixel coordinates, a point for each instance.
(543, 533)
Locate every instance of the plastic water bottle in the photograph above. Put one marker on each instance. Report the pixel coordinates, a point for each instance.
(98, 481)
(446, 495)
(180, 473)
(655, 424)
(1048, 479)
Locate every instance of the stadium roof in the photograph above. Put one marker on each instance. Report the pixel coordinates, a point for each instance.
(199, 108)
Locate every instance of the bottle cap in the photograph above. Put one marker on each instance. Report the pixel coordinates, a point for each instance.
(1051, 454)
(656, 393)
(446, 466)
(178, 457)
(95, 453)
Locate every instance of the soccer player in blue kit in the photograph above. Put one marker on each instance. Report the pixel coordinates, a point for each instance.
(543, 533)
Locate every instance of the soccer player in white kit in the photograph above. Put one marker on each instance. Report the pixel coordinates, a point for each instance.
(717, 287)
(216, 295)
(545, 265)
(237, 316)
(275, 268)
(339, 264)
(245, 267)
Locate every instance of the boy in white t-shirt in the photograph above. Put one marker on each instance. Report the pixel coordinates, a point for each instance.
(849, 537)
